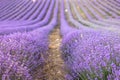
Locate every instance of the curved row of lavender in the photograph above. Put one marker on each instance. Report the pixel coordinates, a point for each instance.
(92, 6)
(12, 10)
(17, 8)
(31, 17)
(23, 55)
(38, 19)
(89, 54)
(25, 28)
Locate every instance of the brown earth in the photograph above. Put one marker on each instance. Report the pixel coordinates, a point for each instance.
(55, 69)
(55, 65)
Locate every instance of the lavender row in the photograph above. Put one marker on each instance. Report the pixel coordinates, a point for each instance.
(89, 54)
(112, 4)
(100, 22)
(14, 10)
(25, 28)
(26, 57)
(103, 26)
(19, 10)
(5, 4)
(99, 17)
(37, 15)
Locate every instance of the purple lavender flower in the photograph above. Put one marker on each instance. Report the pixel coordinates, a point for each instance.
(12, 70)
(89, 54)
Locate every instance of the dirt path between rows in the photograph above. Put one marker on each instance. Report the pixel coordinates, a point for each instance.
(55, 69)
(56, 64)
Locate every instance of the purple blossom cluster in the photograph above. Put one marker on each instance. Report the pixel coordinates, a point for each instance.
(28, 49)
(92, 55)
(12, 70)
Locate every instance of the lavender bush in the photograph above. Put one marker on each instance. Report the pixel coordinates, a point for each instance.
(92, 55)
(12, 70)
(29, 49)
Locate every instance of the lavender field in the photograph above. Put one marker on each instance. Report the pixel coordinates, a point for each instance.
(59, 39)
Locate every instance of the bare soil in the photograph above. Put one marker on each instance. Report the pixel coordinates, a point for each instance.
(54, 68)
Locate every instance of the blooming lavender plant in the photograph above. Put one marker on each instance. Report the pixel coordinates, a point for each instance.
(92, 55)
(29, 49)
(12, 70)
